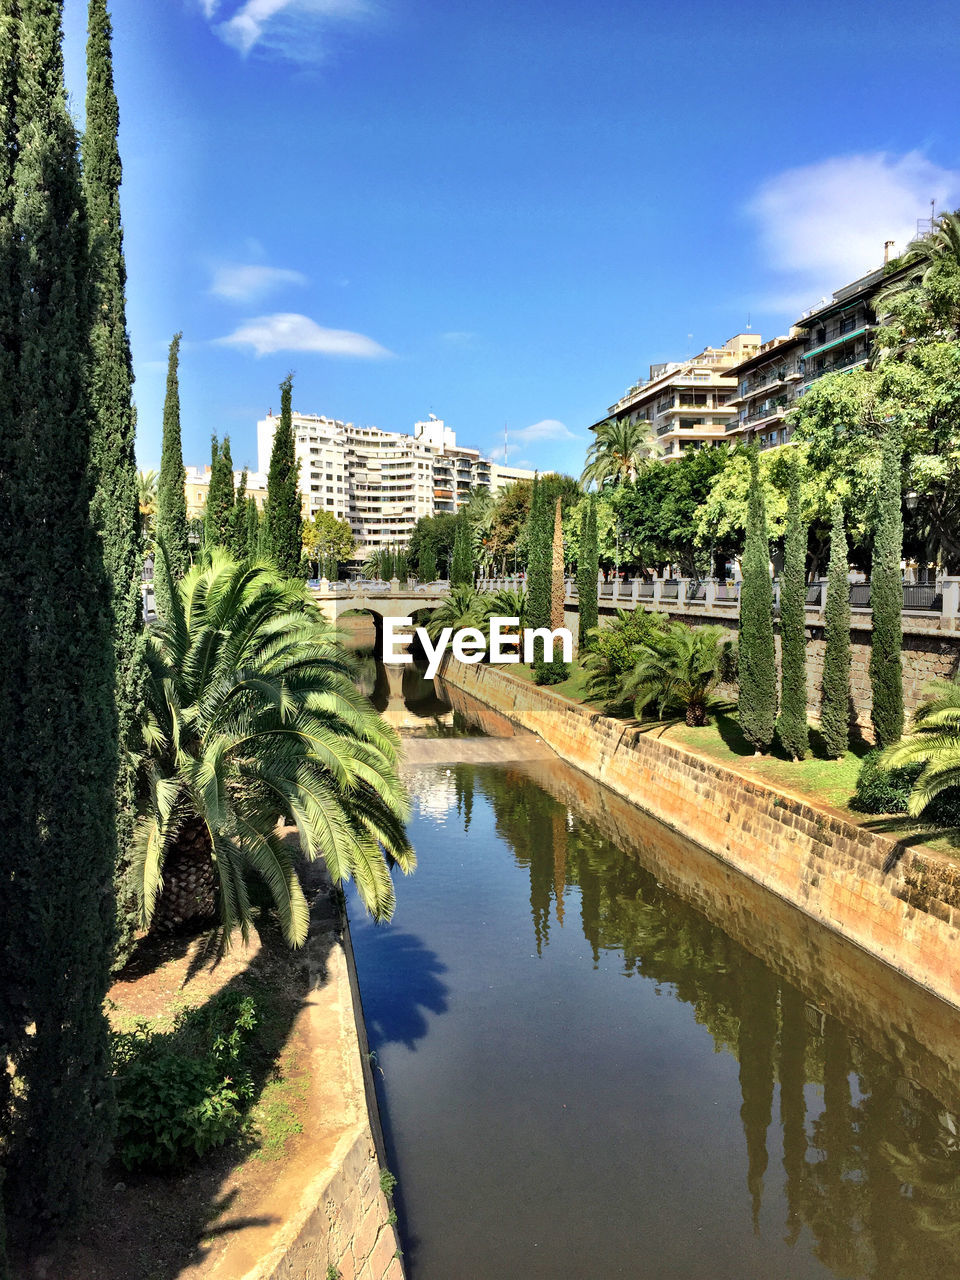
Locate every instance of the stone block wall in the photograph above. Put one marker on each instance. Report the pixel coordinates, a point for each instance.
(901, 905)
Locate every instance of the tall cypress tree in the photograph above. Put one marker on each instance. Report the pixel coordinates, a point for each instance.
(238, 518)
(218, 516)
(57, 689)
(557, 584)
(12, 1013)
(283, 493)
(588, 571)
(461, 566)
(115, 503)
(539, 555)
(427, 568)
(792, 724)
(252, 547)
(886, 593)
(171, 522)
(757, 704)
(835, 689)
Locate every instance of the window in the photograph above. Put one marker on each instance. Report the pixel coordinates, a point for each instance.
(847, 324)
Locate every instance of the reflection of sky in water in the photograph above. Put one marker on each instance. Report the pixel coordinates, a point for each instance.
(583, 1077)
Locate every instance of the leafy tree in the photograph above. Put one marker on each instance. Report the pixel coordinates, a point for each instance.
(792, 723)
(171, 522)
(886, 596)
(58, 721)
(440, 531)
(116, 507)
(218, 516)
(461, 566)
(757, 703)
(617, 452)
(722, 517)
(660, 512)
(283, 491)
(328, 541)
(588, 572)
(835, 689)
(677, 668)
(253, 720)
(841, 421)
(506, 538)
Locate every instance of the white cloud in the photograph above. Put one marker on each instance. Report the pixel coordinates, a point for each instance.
(286, 28)
(824, 224)
(290, 332)
(545, 431)
(459, 338)
(241, 283)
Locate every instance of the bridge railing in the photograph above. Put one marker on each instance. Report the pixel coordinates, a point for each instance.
(940, 599)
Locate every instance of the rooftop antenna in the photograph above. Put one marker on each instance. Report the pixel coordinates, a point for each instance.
(748, 322)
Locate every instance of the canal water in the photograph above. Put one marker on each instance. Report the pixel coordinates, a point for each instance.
(599, 1052)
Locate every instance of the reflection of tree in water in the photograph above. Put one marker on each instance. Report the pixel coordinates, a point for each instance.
(875, 1173)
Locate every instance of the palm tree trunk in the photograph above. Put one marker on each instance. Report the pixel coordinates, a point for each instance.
(189, 897)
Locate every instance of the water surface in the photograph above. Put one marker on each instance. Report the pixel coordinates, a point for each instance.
(601, 1053)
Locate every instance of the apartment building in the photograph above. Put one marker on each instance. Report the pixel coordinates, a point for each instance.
(197, 486)
(688, 401)
(768, 382)
(380, 482)
(833, 336)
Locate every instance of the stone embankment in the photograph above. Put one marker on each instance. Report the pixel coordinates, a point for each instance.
(327, 1215)
(900, 904)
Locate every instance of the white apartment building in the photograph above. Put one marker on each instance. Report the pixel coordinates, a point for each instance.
(689, 402)
(380, 482)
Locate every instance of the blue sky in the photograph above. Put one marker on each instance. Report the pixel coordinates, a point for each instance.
(500, 212)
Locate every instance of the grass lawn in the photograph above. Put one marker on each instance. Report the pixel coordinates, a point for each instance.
(817, 778)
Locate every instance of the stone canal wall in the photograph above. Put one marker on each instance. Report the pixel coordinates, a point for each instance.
(340, 1222)
(899, 904)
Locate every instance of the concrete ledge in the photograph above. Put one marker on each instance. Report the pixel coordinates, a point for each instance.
(900, 905)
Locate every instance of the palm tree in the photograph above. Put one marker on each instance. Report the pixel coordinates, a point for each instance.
(508, 602)
(463, 607)
(147, 496)
(927, 255)
(617, 452)
(253, 720)
(934, 741)
(678, 669)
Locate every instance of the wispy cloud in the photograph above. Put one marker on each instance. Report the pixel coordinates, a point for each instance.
(292, 29)
(824, 224)
(238, 282)
(459, 338)
(546, 431)
(288, 331)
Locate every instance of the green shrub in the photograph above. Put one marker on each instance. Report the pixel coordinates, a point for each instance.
(184, 1092)
(883, 790)
(551, 672)
(888, 791)
(613, 651)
